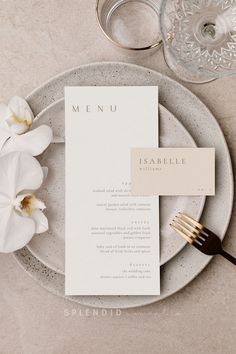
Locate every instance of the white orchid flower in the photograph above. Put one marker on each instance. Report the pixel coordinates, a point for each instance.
(21, 213)
(16, 119)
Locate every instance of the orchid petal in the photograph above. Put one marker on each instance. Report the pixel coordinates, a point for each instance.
(30, 174)
(41, 221)
(18, 172)
(21, 108)
(5, 113)
(21, 117)
(4, 135)
(5, 131)
(16, 230)
(17, 127)
(4, 201)
(34, 142)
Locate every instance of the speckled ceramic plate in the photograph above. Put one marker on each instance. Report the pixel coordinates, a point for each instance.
(49, 247)
(199, 122)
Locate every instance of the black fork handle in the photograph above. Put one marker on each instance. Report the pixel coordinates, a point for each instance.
(229, 257)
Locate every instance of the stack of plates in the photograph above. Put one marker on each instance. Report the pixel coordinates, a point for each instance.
(184, 122)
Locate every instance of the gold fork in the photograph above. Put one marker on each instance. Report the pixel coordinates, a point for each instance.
(199, 236)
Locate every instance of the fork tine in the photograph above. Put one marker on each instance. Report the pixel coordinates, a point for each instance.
(181, 233)
(194, 230)
(200, 233)
(194, 222)
(189, 233)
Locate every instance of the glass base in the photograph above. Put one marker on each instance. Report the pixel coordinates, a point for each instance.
(185, 74)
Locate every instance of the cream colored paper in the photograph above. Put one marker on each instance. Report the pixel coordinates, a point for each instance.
(173, 171)
(112, 238)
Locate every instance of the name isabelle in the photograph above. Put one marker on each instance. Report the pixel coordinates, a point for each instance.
(162, 161)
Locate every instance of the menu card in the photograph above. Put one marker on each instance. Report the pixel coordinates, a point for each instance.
(112, 237)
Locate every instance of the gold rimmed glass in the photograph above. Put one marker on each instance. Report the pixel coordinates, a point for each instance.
(130, 24)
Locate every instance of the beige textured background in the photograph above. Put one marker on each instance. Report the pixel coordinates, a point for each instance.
(39, 39)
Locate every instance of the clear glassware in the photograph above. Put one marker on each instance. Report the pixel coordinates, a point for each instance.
(130, 24)
(199, 38)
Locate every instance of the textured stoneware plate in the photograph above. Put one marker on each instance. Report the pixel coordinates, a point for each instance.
(199, 122)
(49, 247)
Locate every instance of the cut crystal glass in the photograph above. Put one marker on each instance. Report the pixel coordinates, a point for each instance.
(199, 38)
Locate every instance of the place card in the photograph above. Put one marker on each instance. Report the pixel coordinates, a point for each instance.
(112, 237)
(172, 171)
